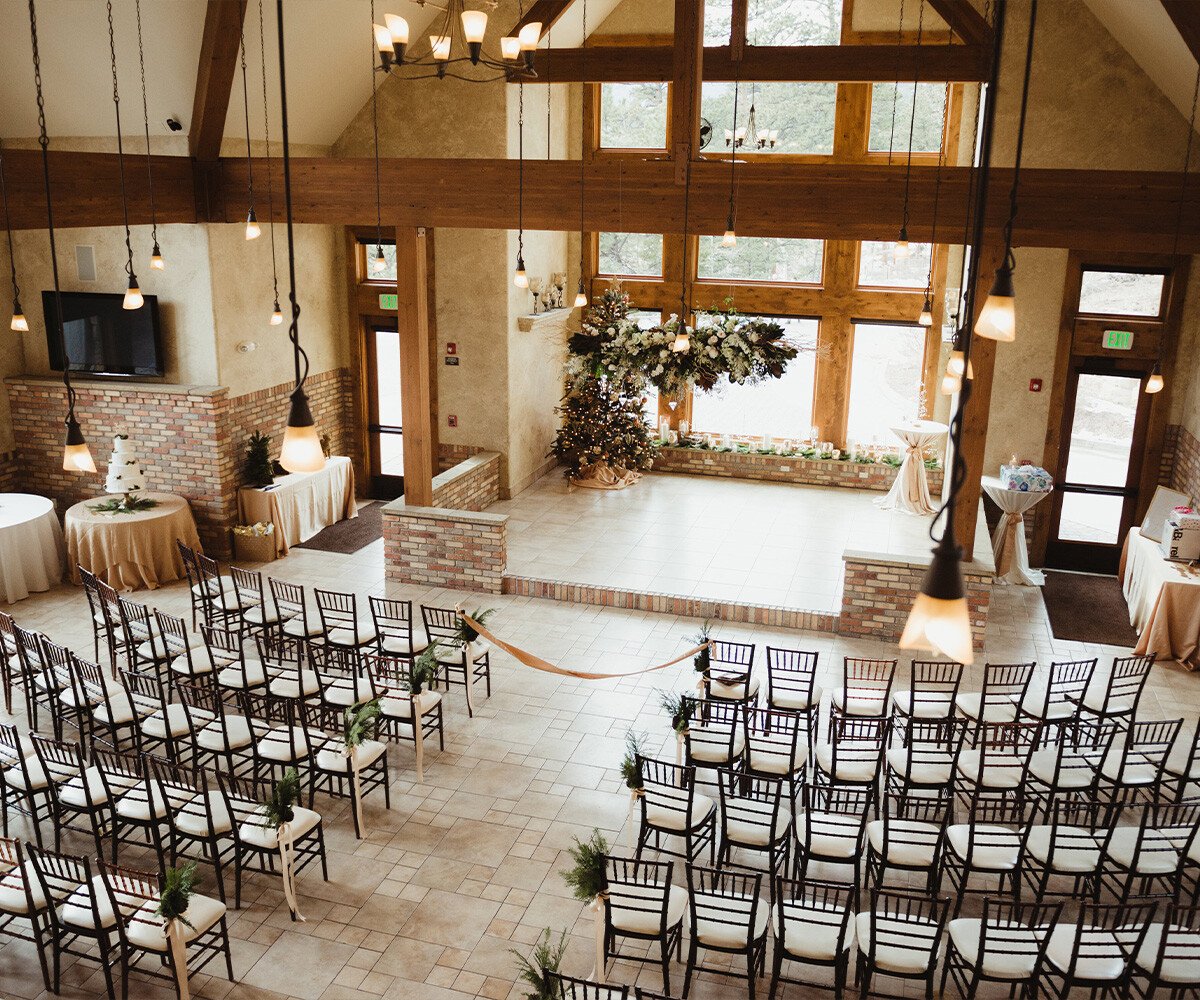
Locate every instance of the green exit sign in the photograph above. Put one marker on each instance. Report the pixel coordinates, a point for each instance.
(389, 303)
(1114, 340)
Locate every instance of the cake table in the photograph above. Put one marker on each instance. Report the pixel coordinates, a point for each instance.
(131, 551)
(31, 546)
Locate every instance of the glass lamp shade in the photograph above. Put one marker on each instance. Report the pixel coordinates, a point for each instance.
(277, 315)
(383, 41)
(926, 317)
(939, 620)
(76, 456)
(378, 262)
(474, 24)
(529, 36)
(1155, 382)
(156, 260)
(902, 249)
(441, 47)
(581, 299)
(998, 317)
(301, 451)
(951, 384)
(397, 29)
(520, 278)
(773, 136)
(133, 295)
(683, 342)
(730, 238)
(253, 229)
(510, 47)
(954, 363)
(19, 323)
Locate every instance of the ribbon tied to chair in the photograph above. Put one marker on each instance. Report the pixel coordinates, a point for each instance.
(351, 755)
(419, 733)
(599, 972)
(178, 948)
(286, 843)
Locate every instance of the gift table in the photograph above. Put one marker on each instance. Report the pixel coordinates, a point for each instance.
(910, 491)
(1008, 540)
(131, 551)
(302, 503)
(31, 546)
(1163, 599)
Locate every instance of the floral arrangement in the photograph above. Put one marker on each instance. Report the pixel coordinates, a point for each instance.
(280, 807)
(360, 722)
(423, 669)
(127, 504)
(821, 454)
(177, 888)
(680, 708)
(259, 529)
(466, 634)
(703, 659)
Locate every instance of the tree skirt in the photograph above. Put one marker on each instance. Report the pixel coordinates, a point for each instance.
(602, 476)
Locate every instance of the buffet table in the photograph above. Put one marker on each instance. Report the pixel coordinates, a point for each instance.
(131, 551)
(302, 503)
(1163, 599)
(910, 491)
(31, 546)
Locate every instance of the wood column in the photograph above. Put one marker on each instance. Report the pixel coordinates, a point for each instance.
(687, 76)
(412, 320)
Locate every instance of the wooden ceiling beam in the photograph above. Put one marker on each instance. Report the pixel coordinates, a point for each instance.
(214, 78)
(1077, 209)
(687, 78)
(1185, 15)
(546, 11)
(964, 20)
(762, 63)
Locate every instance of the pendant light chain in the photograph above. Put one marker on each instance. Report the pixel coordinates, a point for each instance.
(375, 129)
(969, 214)
(912, 121)
(12, 260)
(896, 91)
(1009, 259)
(262, 49)
(252, 229)
(294, 329)
(937, 184)
(737, 74)
(155, 255)
(581, 298)
(112, 49)
(549, 89)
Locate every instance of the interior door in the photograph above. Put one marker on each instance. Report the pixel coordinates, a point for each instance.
(1105, 416)
(385, 428)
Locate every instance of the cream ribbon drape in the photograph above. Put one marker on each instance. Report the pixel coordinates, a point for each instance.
(910, 491)
(1008, 540)
(603, 476)
(599, 972)
(351, 754)
(287, 867)
(419, 735)
(178, 956)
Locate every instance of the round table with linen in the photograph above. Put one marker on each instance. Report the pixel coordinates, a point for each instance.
(910, 490)
(1008, 540)
(131, 551)
(31, 546)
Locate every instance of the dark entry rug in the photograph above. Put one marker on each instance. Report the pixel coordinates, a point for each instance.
(350, 536)
(1085, 608)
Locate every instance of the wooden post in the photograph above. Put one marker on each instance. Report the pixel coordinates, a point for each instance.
(412, 320)
(687, 74)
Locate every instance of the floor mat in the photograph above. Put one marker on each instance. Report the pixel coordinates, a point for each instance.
(1086, 608)
(350, 536)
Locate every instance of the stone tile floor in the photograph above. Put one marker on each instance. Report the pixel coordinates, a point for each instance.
(466, 866)
(674, 535)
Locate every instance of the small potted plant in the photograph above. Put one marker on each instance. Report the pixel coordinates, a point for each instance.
(533, 971)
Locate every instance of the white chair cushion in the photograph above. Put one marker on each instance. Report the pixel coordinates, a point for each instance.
(255, 675)
(744, 832)
(295, 628)
(1011, 952)
(1094, 700)
(998, 777)
(12, 890)
(118, 712)
(15, 777)
(720, 691)
(234, 735)
(400, 646)
(930, 704)
(74, 699)
(1153, 859)
(257, 614)
(136, 806)
(929, 768)
(76, 910)
(670, 819)
(1175, 969)
(863, 703)
(212, 586)
(849, 768)
(996, 847)
(175, 723)
(971, 705)
(891, 958)
(73, 793)
(151, 650)
(712, 745)
(1071, 853)
(360, 635)
(347, 691)
(369, 751)
(276, 744)
(826, 844)
(401, 708)
(197, 665)
(194, 823)
(795, 701)
(149, 932)
(718, 934)
(1133, 774)
(1072, 775)
(1091, 966)
(267, 837)
(808, 938)
(648, 920)
(913, 843)
(304, 685)
(765, 762)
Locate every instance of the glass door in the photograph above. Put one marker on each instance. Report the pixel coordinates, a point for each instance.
(385, 429)
(1096, 491)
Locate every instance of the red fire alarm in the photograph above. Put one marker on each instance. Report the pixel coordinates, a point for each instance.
(451, 348)
(452, 420)
(1035, 385)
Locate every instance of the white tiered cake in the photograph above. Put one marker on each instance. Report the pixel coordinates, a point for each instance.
(125, 472)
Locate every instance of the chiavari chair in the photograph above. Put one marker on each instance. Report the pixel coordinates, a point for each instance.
(754, 819)
(341, 679)
(927, 759)
(1056, 706)
(672, 807)
(442, 624)
(291, 608)
(900, 936)
(22, 902)
(792, 687)
(257, 616)
(234, 670)
(393, 621)
(574, 988)
(343, 630)
(909, 838)
(775, 747)
(1137, 761)
(11, 672)
(135, 801)
(1184, 772)
(162, 725)
(330, 769)
(988, 844)
(389, 676)
(642, 904)
(286, 663)
(1151, 854)
(1068, 846)
(1120, 693)
(866, 689)
(220, 604)
(729, 917)
(1096, 950)
(24, 784)
(216, 735)
(145, 648)
(813, 924)
(1007, 945)
(854, 754)
(198, 824)
(78, 798)
(731, 674)
(930, 694)
(999, 701)
(715, 738)
(1169, 958)
(830, 832)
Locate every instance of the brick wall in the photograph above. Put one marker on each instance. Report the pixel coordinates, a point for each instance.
(1185, 470)
(473, 484)
(433, 546)
(10, 473)
(877, 595)
(449, 455)
(775, 468)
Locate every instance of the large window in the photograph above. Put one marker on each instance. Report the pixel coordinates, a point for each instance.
(633, 254)
(794, 22)
(880, 267)
(645, 319)
(890, 131)
(885, 381)
(801, 115)
(718, 21)
(1121, 293)
(761, 258)
(781, 407)
(633, 115)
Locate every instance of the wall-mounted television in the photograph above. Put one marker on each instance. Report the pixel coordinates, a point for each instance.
(102, 338)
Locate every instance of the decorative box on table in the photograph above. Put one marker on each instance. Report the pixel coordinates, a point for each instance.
(1026, 478)
(1181, 536)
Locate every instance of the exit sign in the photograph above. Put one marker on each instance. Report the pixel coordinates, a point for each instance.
(1117, 340)
(389, 303)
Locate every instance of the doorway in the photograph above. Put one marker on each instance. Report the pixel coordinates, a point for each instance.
(385, 426)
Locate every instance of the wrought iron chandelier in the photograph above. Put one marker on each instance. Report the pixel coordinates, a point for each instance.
(458, 29)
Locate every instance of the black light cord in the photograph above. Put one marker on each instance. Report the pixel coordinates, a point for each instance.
(549, 89)
(375, 129)
(137, 6)
(44, 142)
(112, 49)
(521, 173)
(737, 74)
(294, 328)
(12, 260)
(937, 185)
(1187, 163)
(912, 121)
(262, 50)
(582, 142)
(1009, 259)
(246, 109)
(896, 91)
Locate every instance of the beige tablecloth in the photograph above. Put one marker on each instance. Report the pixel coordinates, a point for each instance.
(131, 551)
(1163, 599)
(910, 491)
(301, 504)
(1008, 540)
(31, 546)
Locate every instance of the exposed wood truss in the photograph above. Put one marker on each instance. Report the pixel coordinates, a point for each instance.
(546, 11)
(964, 20)
(1185, 15)
(214, 78)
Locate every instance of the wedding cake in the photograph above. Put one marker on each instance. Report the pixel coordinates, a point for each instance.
(125, 472)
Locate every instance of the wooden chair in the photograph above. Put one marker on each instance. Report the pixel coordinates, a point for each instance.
(671, 807)
(727, 916)
(830, 833)
(754, 819)
(1121, 691)
(442, 624)
(900, 937)
(792, 687)
(1006, 946)
(909, 837)
(573, 988)
(330, 770)
(393, 621)
(642, 904)
(731, 672)
(199, 826)
(1169, 959)
(291, 608)
(389, 677)
(1138, 764)
(78, 799)
(813, 925)
(1057, 706)
(24, 785)
(1068, 846)
(866, 689)
(22, 902)
(999, 702)
(1097, 950)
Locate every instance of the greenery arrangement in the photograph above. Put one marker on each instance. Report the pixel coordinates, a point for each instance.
(423, 669)
(177, 888)
(586, 877)
(703, 659)
(280, 807)
(891, 459)
(360, 722)
(680, 709)
(465, 632)
(127, 504)
(533, 971)
(257, 470)
(631, 772)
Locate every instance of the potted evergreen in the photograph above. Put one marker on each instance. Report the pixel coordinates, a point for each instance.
(587, 881)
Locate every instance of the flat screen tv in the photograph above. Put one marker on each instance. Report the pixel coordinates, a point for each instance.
(102, 338)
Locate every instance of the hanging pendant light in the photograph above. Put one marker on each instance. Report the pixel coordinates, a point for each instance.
(520, 278)
(301, 451)
(926, 317)
(133, 294)
(998, 318)
(729, 240)
(253, 229)
(76, 455)
(276, 313)
(378, 263)
(156, 258)
(683, 340)
(18, 323)
(900, 248)
(581, 298)
(1155, 382)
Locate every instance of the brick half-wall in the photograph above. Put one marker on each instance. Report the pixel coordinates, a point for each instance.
(472, 484)
(436, 546)
(778, 469)
(878, 593)
(1185, 470)
(10, 472)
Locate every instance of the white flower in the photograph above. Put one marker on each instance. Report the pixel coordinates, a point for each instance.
(712, 352)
